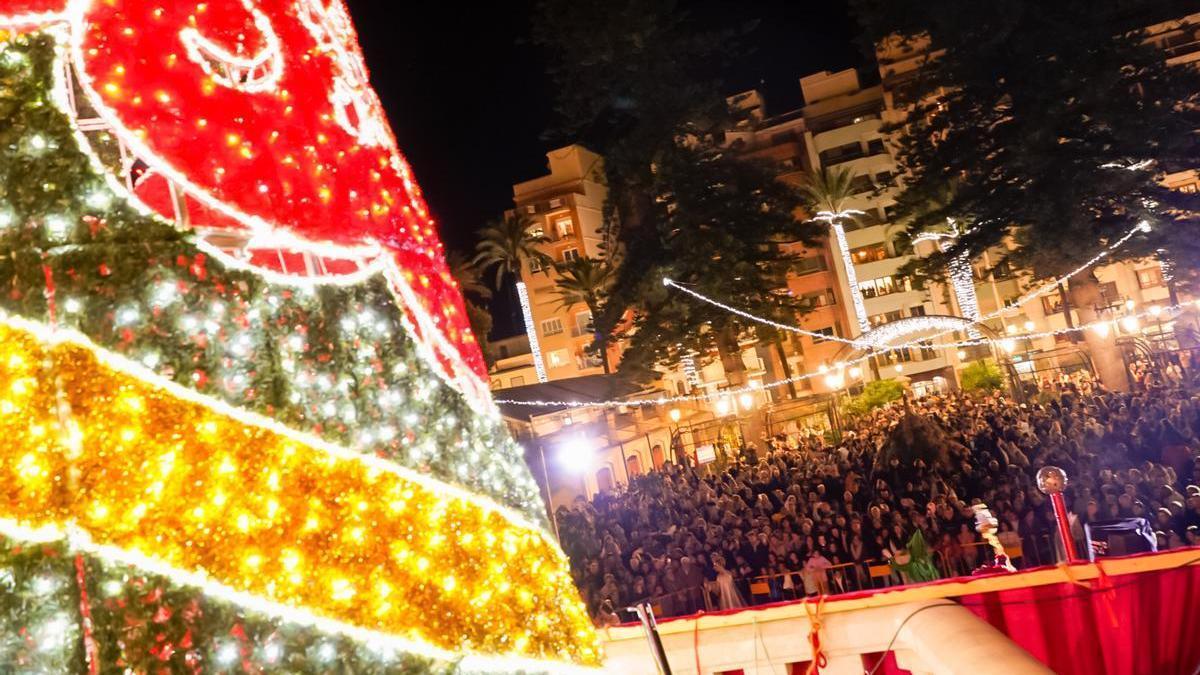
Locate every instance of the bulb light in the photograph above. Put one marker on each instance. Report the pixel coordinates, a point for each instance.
(132, 419)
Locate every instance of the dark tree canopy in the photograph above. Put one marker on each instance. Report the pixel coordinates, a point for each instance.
(1026, 118)
(640, 84)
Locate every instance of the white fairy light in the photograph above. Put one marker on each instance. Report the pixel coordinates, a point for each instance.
(44, 585)
(962, 275)
(37, 144)
(534, 347)
(127, 316)
(7, 218)
(53, 633)
(227, 654)
(72, 305)
(58, 227)
(839, 233)
(98, 198)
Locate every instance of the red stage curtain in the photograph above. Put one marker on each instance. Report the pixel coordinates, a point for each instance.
(1146, 624)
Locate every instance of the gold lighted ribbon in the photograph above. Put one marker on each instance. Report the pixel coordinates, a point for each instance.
(144, 467)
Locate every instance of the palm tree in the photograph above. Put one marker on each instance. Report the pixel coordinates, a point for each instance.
(468, 275)
(585, 281)
(828, 192)
(507, 245)
(470, 282)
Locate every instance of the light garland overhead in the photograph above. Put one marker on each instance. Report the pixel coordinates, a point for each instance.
(863, 344)
(1005, 342)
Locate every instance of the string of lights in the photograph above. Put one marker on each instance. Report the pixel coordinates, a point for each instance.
(869, 343)
(1006, 343)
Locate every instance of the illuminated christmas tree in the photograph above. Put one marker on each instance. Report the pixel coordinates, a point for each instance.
(246, 427)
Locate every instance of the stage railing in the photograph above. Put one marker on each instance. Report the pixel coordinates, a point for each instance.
(874, 573)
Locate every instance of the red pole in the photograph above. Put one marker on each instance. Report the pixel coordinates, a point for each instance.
(1064, 526)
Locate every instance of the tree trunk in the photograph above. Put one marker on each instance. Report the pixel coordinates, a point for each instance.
(1103, 349)
(783, 363)
(1066, 305)
(731, 357)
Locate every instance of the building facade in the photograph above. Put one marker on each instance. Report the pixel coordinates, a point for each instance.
(566, 208)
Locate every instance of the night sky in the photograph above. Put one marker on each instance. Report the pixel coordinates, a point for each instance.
(469, 100)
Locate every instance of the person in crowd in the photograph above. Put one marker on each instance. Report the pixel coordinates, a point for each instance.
(804, 514)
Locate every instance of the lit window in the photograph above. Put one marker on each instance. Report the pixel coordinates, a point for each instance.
(866, 254)
(564, 226)
(552, 327)
(1150, 277)
(583, 323)
(557, 358)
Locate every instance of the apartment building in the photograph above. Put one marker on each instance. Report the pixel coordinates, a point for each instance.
(1125, 287)
(840, 125)
(565, 206)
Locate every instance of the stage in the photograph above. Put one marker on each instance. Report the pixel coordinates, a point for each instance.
(1132, 615)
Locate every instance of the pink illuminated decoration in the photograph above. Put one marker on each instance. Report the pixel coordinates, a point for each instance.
(255, 119)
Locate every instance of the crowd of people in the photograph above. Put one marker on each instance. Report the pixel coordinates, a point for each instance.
(803, 515)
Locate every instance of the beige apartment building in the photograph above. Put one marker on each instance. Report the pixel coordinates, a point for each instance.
(840, 124)
(565, 206)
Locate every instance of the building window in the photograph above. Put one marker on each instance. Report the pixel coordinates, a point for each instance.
(861, 183)
(815, 299)
(583, 324)
(831, 331)
(1052, 303)
(842, 153)
(535, 265)
(586, 359)
(570, 254)
(564, 226)
(882, 286)
(556, 358)
(517, 381)
(552, 327)
(1109, 295)
(887, 317)
(1190, 187)
(875, 147)
(1150, 277)
(809, 265)
(556, 203)
(884, 178)
(867, 254)
(531, 208)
